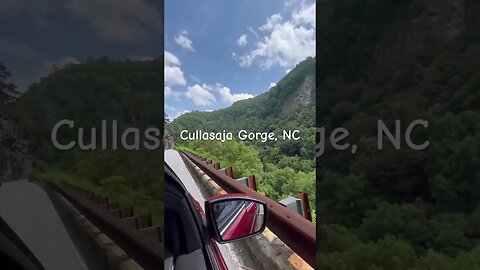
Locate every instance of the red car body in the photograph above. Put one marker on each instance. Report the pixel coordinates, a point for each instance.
(216, 254)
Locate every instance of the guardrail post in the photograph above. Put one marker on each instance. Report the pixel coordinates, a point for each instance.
(144, 221)
(217, 166)
(230, 172)
(305, 205)
(252, 183)
(126, 212)
(209, 162)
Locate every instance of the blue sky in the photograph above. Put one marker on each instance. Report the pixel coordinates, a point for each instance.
(218, 52)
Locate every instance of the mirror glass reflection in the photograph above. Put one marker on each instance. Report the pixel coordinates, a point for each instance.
(238, 218)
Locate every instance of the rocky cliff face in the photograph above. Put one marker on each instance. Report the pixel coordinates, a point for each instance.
(304, 95)
(15, 161)
(168, 140)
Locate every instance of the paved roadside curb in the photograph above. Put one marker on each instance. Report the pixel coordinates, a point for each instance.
(270, 251)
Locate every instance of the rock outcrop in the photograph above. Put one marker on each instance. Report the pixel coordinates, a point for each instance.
(304, 95)
(168, 140)
(15, 160)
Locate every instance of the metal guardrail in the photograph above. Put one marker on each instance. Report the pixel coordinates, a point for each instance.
(294, 230)
(143, 249)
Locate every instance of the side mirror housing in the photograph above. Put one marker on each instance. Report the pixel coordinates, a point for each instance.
(234, 217)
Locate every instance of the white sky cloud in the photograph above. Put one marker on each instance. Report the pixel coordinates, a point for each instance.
(291, 2)
(271, 22)
(204, 95)
(183, 41)
(174, 76)
(168, 92)
(242, 40)
(305, 15)
(230, 98)
(200, 95)
(172, 71)
(171, 59)
(272, 84)
(285, 43)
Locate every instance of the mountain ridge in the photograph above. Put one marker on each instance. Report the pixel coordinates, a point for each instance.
(294, 91)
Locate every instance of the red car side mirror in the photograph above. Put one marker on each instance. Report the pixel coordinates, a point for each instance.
(233, 217)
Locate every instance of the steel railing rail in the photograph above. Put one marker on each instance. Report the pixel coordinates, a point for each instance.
(294, 230)
(144, 250)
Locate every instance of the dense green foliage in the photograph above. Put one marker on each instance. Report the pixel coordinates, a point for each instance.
(263, 113)
(127, 92)
(273, 181)
(281, 168)
(397, 209)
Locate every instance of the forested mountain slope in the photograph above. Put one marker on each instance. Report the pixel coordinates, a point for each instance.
(405, 60)
(288, 105)
(90, 92)
(127, 92)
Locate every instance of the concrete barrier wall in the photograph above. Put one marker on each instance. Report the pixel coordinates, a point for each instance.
(270, 251)
(109, 255)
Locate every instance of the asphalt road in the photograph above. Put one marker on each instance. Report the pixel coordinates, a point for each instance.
(234, 254)
(27, 209)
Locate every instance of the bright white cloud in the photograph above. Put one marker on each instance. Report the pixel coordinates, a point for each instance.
(291, 2)
(305, 15)
(242, 40)
(272, 84)
(168, 92)
(285, 43)
(204, 94)
(200, 95)
(230, 98)
(174, 76)
(172, 71)
(183, 41)
(271, 22)
(287, 71)
(171, 59)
